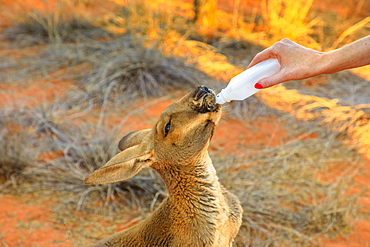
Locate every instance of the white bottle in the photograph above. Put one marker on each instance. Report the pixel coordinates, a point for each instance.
(242, 85)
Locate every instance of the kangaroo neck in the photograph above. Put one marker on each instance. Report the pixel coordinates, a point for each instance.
(191, 180)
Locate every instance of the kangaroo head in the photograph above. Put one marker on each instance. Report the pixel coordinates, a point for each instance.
(181, 134)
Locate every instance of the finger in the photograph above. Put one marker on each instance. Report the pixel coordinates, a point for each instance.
(271, 80)
(263, 55)
(287, 41)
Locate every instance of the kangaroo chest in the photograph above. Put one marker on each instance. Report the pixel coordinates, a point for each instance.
(199, 217)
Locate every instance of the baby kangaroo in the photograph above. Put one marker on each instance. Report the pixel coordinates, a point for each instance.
(199, 211)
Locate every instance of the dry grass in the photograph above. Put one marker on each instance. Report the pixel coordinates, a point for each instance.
(289, 19)
(22, 137)
(63, 151)
(296, 20)
(122, 68)
(284, 201)
(344, 32)
(38, 29)
(14, 156)
(83, 153)
(150, 19)
(126, 69)
(350, 120)
(40, 66)
(68, 21)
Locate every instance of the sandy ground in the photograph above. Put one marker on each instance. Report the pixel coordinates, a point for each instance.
(29, 221)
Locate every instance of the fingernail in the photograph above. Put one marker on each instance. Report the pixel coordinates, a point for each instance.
(258, 86)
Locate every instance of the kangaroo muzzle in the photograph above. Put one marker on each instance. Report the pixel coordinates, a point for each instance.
(204, 100)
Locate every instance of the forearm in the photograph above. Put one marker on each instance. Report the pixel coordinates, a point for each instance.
(354, 55)
(298, 62)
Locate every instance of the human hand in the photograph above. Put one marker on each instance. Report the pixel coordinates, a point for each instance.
(297, 62)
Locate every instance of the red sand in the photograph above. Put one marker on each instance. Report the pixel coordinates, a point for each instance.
(31, 225)
(26, 225)
(22, 224)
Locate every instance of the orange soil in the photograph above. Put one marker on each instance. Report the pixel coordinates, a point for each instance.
(26, 225)
(361, 234)
(22, 224)
(11, 10)
(231, 135)
(33, 93)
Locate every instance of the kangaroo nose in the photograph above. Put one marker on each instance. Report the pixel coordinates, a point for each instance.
(202, 91)
(204, 100)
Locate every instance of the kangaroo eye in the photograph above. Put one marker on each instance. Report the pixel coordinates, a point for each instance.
(167, 128)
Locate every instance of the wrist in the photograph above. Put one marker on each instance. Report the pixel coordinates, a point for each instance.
(324, 62)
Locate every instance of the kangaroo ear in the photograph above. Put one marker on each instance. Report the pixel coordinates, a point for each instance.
(125, 164)
(132, 139)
